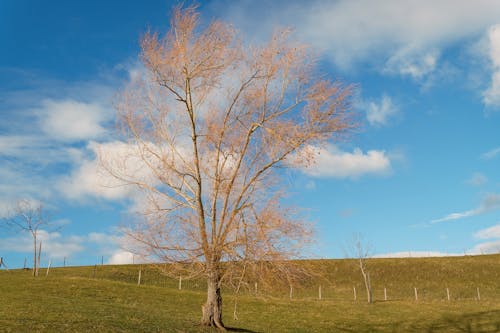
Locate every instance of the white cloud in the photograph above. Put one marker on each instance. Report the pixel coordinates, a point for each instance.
(493, 245)
(379, 112)
(412, 63)
(53, 244)
(491, 154)
(334, 163)
(477, 179)
(89, 179)
(58, 246)
(416, 254)
(410, 33)
(70, 120)
(456, 216)
(489, 233)
(42, 122)
(489, 203)
(121, 257)
(492, 95)
(486, 248)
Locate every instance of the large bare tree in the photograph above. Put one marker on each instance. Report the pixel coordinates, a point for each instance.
(210, 125)
(29, 216)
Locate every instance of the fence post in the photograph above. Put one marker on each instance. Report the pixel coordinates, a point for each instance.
(48, 268)
(255, 288)
(478, 294)
(319, 292)
(291, 291)
(385, 294)
(139, 278)
(416, 294)
(355, 296)
(24, 267)
(180, 282)
(448, 294)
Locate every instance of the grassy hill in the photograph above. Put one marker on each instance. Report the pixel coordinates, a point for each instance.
(108, 299)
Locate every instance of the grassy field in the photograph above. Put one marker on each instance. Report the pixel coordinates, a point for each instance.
(77, 299)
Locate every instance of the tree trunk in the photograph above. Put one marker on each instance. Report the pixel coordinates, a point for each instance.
(34, 254)
(368, 283)
(212, 309)
(39, 255)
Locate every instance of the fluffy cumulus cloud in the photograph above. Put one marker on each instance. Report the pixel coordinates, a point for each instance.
(70, 120)
(332, 162)
(90, 178)
(378, 113)
(491, 202)
(121, 257)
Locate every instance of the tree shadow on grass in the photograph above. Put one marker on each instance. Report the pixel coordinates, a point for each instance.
(228, 329)
(479, 322)
(236, 329)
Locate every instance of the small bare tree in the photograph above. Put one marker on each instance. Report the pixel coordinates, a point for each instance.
(362, 253)
(29, 217)
(210, 124)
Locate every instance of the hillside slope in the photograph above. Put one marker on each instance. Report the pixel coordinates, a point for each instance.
(108, 299)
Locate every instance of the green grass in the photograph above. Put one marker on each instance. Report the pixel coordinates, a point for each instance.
(72, 300)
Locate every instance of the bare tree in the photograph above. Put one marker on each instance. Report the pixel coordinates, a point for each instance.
(29, 216)
(210, 124)
(362, 253)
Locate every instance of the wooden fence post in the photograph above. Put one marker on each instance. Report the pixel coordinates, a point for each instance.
(48, 268)
(385, 294)
(319, 292)
(448, 294)
(256, 288)
(291, 292)
(355, 296)
(180, 282)
(478, 294)
(139, 278)
(416, 294)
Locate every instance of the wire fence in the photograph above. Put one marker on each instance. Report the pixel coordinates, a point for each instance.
(339, 285)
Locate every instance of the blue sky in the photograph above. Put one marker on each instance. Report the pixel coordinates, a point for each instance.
(419, 177)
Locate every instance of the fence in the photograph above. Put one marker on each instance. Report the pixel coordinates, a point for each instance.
(388, 285)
